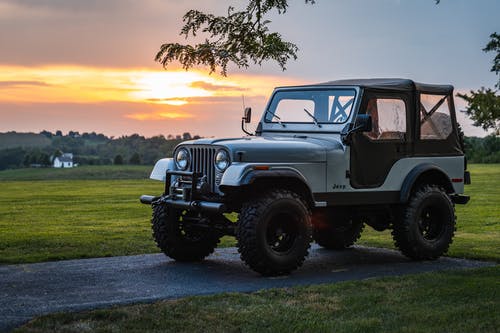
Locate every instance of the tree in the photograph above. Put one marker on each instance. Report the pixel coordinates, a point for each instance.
(46, 134)
(44, 159)
(57, 153)
(27, 159)
(118, 160)
(135, 159)
(483, 105)
(240, 37)
(494, 46)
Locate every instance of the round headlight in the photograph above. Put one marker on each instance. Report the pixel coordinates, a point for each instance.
(221, 160)
(182, 159)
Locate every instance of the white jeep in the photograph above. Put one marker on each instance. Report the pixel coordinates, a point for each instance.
(325, 160)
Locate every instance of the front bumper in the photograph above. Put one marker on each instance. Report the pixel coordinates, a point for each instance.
(196, 205)
(186, 196)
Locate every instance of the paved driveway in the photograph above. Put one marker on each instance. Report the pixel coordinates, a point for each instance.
(33, 289)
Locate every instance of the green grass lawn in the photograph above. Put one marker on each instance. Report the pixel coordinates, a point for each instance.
(52, 219)
(62, 219)
(86, 172)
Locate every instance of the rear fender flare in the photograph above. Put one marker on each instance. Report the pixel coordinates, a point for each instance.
(423, 170)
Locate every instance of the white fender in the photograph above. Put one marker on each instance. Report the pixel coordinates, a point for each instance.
(161, 167)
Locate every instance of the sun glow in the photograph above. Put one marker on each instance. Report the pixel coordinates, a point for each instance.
(86, 84)
(165, 86)
(159, 95)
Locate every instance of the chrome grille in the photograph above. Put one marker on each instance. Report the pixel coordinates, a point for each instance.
(202, 161)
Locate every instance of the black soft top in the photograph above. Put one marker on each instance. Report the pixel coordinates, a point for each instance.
(393, 84)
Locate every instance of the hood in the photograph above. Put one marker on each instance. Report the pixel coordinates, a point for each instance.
(275, 149)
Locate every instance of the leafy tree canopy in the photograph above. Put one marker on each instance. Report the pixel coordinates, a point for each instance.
(494, 46)
(483, 105)
(483, 108)
(240, 37)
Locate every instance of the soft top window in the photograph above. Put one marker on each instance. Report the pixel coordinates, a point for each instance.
(435, 120)
(312, 105)
(388, 119)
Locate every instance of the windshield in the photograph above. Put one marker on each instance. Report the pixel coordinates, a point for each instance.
(331, 106)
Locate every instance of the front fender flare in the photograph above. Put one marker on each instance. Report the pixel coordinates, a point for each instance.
(246, 174)
(161, 167)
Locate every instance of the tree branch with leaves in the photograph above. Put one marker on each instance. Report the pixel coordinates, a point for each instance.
(240, 38)
(483, 105)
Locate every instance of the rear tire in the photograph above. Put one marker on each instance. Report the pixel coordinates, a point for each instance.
(427, 226)
(177, 241)
(274, 232)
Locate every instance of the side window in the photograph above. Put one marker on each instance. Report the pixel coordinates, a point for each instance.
(388, 119)
(435, 120)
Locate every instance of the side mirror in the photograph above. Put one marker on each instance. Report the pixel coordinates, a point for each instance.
(247, 115)
(363, 123)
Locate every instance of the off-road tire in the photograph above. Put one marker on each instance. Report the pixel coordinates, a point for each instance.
(427, 225)
(336, 233)
(177, 243)
(274, 232)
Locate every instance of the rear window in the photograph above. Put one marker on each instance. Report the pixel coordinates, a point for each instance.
(435, 119)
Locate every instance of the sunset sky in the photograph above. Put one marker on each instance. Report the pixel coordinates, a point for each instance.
(88, 65)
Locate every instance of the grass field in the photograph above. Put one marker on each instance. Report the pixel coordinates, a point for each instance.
(60, 219)
(87, 172)
(46, 219)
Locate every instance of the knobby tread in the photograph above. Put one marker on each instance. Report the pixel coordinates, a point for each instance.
(172, 243)
(404, 235)
(247, 234)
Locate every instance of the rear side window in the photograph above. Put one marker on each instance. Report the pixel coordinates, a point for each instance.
(435, 120)
(388, 119)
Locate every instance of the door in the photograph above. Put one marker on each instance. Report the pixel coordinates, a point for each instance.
(374, 153)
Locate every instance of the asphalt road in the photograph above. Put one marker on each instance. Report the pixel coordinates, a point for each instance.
(30, 290)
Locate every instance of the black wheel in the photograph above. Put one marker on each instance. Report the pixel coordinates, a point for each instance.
(336, 231)
(427, 226)
(180, 242)
(274, 232)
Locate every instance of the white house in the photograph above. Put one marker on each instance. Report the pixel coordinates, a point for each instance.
(63, 161)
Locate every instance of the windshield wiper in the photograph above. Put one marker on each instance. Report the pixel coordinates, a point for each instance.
(313, 117)
(275, 116)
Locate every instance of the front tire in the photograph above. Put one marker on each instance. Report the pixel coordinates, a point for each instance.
(178, 241)
(274, 233)
(427, 226)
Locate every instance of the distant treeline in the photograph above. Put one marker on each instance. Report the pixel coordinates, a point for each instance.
(482, 150)
(18, 150)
